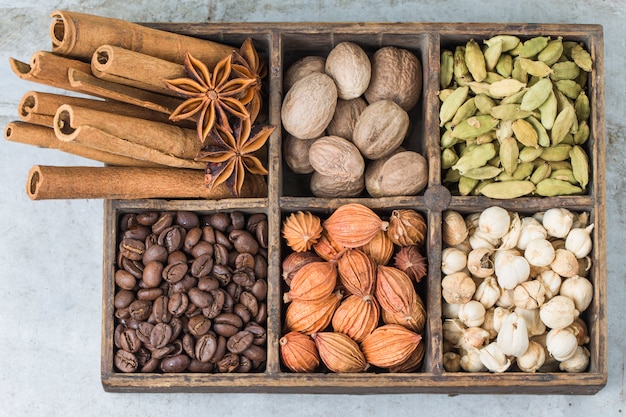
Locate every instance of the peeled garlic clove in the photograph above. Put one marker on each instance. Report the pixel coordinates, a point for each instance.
(452, 260)
(533, 359)
(558, 221)
(479, 262)
(458, 288)
(533, 321)
(488, 292)
(577, 363)
(474, 337)
(494, 359)
(472, 313)
(470, 361)
(451, 362)
(539, 252)
(565, 263)
(551, 282)
(513, 336)
(558, 313)
(529, 295)
(511, 269)
(509, 240)
(494, 222)
(580, 290)
(578, 241)
(561, 344)
(454, 228)
(531, 230)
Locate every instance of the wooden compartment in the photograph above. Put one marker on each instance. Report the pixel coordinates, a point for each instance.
(284, 43)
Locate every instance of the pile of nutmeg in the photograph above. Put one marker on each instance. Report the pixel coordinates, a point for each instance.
(346, 117)
(347, 306)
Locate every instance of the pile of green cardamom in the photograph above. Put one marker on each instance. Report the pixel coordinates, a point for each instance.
(514, 117)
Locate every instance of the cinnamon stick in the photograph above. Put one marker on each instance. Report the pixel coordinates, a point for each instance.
(137, 138)
(44, 137)
(79, 34)
(49, 182)
(48, 68)
(132, 68)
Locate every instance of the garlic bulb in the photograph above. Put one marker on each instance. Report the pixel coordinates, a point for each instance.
(494, 221)
(471, 222)
(464, 246)
(453, 331)
(533, 322)
(451, 362)
(506, 299)
(513, 336)
(580, 290)
(558, 221)
(565, 263)
(487, 292)
(458, 288)
(561, 343)
(551, 282)
(450, 311)
(488, 324)
(581, 220)
(474, 337)
(480, 239)
(539, 252)
(580, 330)
(494, 359)
(454, 228)
(472, 313)
(479, 262)
(452, 260)
(499, 315)
(558, 313)
(550, 364)
(509, 240)
(510, 268)
(470, 361)
(577, 363)
(529, 295)
(533, 358)
(531, 230)
(578, 241)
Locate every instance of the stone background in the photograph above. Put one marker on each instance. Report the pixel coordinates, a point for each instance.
(51, 251)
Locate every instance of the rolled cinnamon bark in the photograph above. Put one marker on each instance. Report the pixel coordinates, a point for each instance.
(128, 136)
(44, 137)
(48, 68)
(49, 182)
(79, 34)
(132, 68)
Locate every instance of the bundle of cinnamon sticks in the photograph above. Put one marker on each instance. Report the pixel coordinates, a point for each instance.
(125, 123)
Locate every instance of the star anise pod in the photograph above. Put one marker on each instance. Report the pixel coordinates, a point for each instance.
(230, 155)
(247, 64)
(210, 96)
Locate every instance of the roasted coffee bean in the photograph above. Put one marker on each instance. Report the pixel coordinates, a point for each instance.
(261, 316)
(175, 364)
(229, 303)
(255, 353)
(177, 347)
(244, 277)
(222, 239)
(160, 309)
(234, 290)
(220, 351)
(228, 363)
(175, 272)
(192, 310)
(222, 273)
(220, 221)
(123, 298)
(177, 304)
(164, 221)
(259, 332)
(160, 353)
(199, 325)
(172, 238)
(200, 298)
(147, 218)
(132, 249)
(151, 240)
(226, 330)
(253, 222)
(117, 333)
(245, 364)
(128, 220)
(154, 253)
(149, 294)
(134, 267)
(183, 285)
(177, 256)
(187, 219)
(192, 238)
(160, 335)
(200, 367)
(237, 220)
(205, 347)
(202, 248)
(259, 289)
(202, 266)
(243, 242)
(143, 355)
(129, 341)
(122, 313)
(125, 361)
(125, 280)
(189, 345)
(138, 232)
(131, 323)
(243, 312)
(261, 234)
(208, 234)
(177, 328)
(220, 254)
(208, 283)
(229, 318)
(219, 296)
(152, 274)
(144, 331)
(239, 342)
(244, 261)
(249, 300)
(150, 366)
(260, 266)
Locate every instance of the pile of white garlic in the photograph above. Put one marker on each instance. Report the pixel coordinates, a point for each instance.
(513, 288)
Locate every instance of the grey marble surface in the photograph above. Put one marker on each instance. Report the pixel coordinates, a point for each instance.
(51, 251)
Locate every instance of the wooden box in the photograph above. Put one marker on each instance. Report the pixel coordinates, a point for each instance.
(282, 44)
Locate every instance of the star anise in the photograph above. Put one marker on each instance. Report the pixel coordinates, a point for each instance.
(210, 96)
(247, 64)
(230, 155)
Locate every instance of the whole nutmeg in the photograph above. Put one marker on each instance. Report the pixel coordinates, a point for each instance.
(396, 76)
(328, 186)
(346, 114)
(296, 154)
(309, 106)
(304, 66)
(337, 157)
(380, 129)
(401, 173)
(350, 67)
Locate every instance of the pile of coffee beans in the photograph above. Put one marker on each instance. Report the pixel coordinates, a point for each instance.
(191, 292)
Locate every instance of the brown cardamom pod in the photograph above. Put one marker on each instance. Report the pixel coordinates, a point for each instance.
(314, 281)
(311, 316)
(389, 345)
(298, 352)
(339, 353)
(357, 272)
(357, 316)
(407, 227)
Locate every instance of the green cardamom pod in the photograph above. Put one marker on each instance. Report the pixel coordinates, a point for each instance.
(567, 48)
(523, 171)
(580, 165)
(518, 72)
(530, 153)
(509, 42)
(505, 87)
(558, 152)
(474, 126)
(566, 70)
(548, 110)
(508, 189)
(562, 124)
(505, 65)
(514, 98)
(447, 141)
(551, 187)
(582, 58)
(509, 112)
(483, 173)
(552, 52)
(581, 105)
(525, 133)
(536, 95)
(475, 61)
(533, 46)
(484, 103)
(452, 103)
(536, 68)
(492, 77)
(582, 134)
(467, 185)
(540, 173)
(543, 139)
(556, 165)
(492, 55)
(509, 154)
(475, 156)
(461, 73)
(479, 88)
(466, 111)
(569, 88)
(448, 158)
(564, 174)
(446, 68)
(452, 176)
